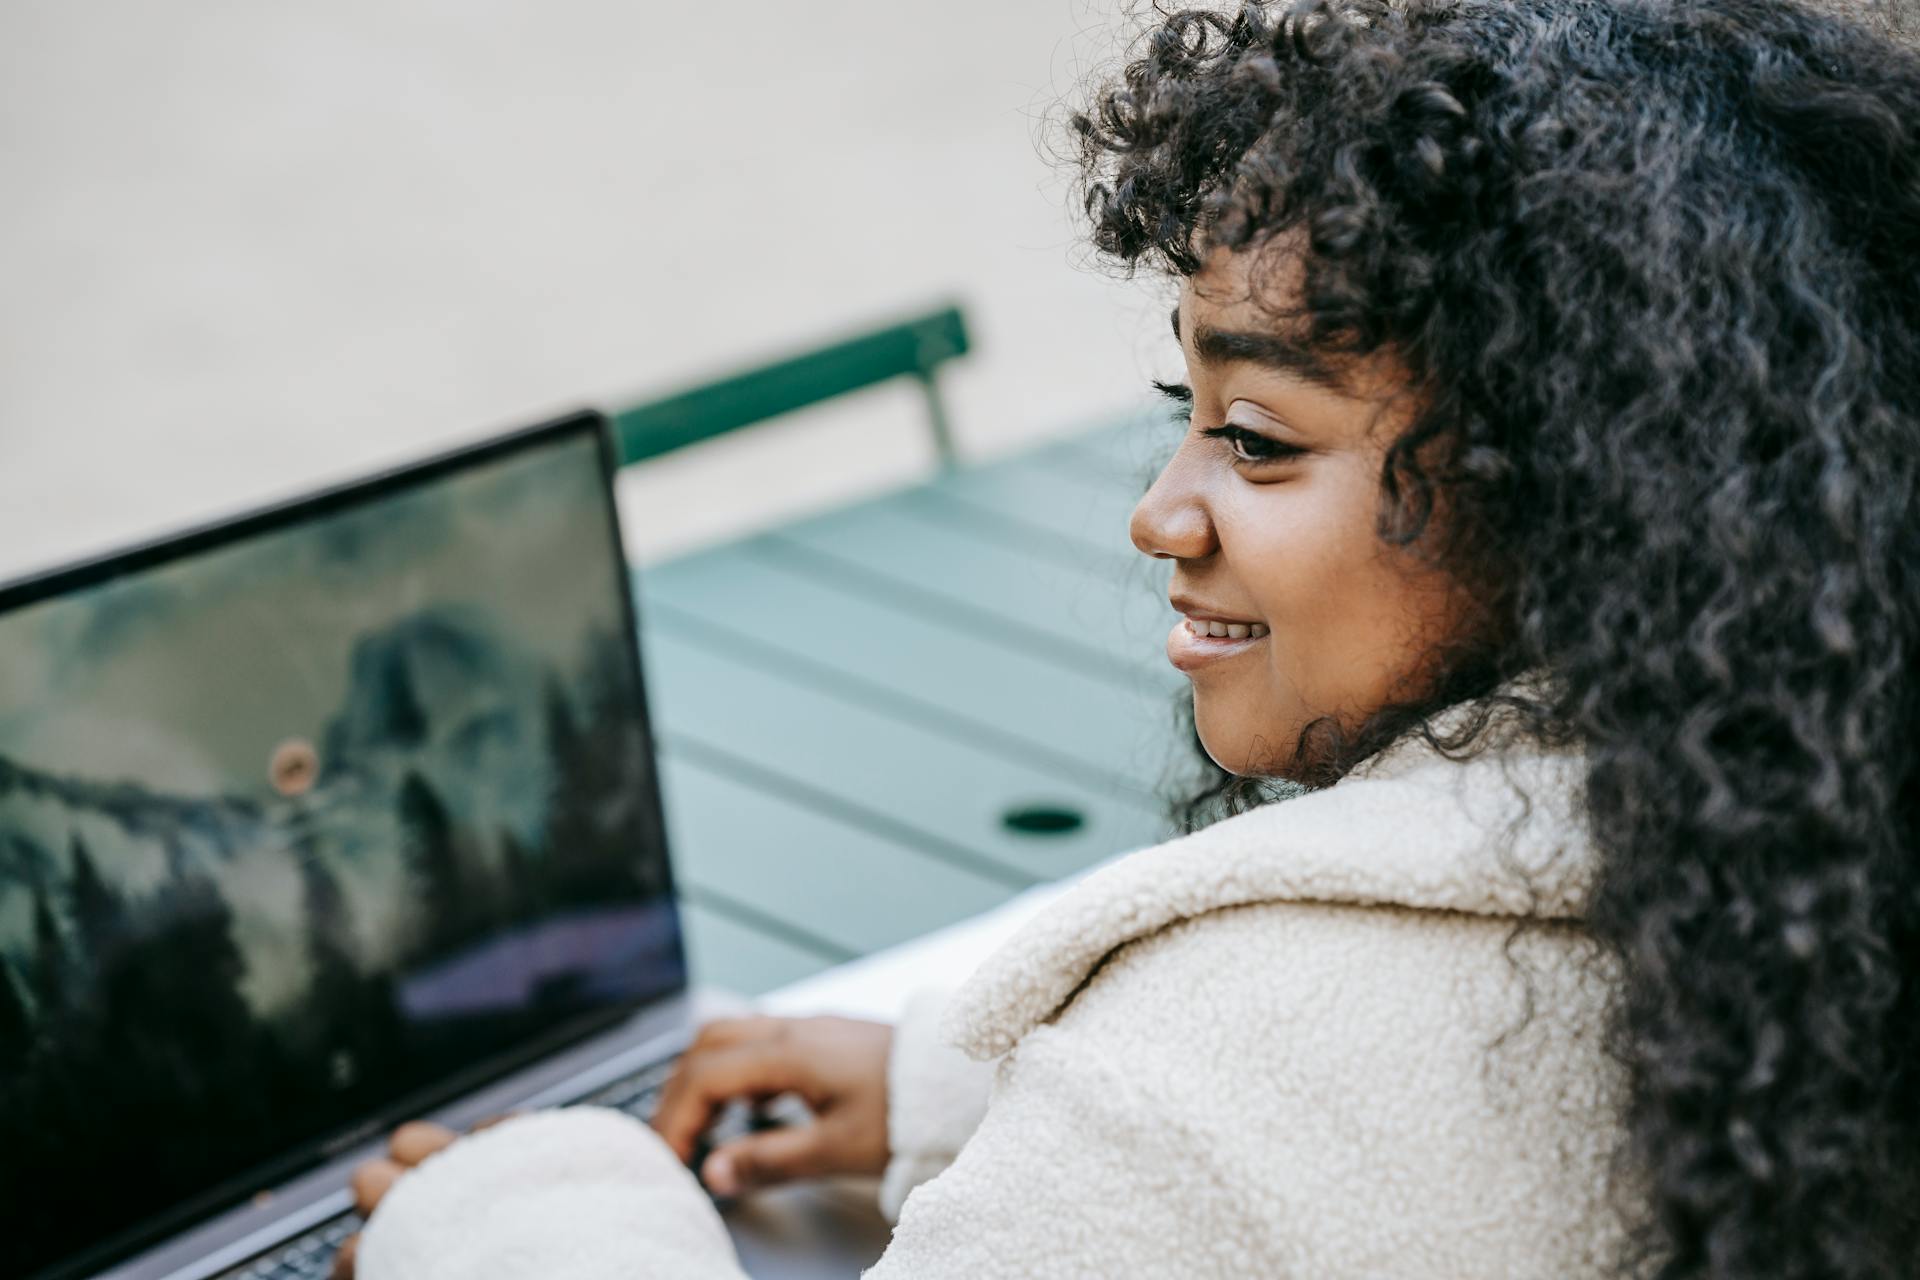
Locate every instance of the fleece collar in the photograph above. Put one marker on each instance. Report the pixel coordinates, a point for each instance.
(1500, 834)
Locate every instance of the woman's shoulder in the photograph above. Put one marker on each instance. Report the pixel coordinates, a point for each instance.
(1498, 836)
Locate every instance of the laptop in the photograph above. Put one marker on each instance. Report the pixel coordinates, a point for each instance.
(324, 818)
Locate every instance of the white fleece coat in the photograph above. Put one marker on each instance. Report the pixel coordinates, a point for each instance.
(1274, 1049)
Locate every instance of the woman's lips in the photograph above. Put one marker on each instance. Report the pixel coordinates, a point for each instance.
(1188, 650)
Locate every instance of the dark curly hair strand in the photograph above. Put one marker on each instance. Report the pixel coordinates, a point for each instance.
(1653, 268)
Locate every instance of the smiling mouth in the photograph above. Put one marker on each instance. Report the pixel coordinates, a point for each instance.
(1195, 643)
(1216, 630)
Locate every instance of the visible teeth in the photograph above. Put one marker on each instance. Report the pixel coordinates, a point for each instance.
(1227, 630)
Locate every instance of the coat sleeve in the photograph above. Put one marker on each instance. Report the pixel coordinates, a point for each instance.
(935, 1098)
(1073, 1171)
(580, 1194)
(590, 1194)
(1085, 1164)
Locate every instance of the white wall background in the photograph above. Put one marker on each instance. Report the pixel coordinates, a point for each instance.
(251, 245)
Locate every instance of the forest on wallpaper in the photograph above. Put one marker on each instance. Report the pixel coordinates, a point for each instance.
(412, 835)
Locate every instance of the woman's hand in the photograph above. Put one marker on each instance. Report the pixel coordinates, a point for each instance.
(838, 1067)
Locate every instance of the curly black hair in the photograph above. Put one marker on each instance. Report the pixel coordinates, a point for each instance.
(1653, 267)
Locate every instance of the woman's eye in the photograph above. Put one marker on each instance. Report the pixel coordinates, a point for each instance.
(1251, 446)
(1246, 444)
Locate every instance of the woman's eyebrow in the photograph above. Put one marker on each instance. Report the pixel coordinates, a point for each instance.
(1269, 350)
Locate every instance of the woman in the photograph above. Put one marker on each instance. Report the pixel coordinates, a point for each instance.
(1554, 379)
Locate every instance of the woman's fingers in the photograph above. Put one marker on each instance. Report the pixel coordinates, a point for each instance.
(416, 1140)
(725, 1033)
(763, 1159)
(708, 1079)
(371, 1181)
(343, 1257)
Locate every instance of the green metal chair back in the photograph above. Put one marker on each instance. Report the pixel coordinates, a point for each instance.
(915, 348)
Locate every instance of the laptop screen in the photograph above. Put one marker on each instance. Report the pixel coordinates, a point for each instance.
(307, 820)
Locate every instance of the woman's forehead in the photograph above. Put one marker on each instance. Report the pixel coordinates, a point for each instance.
(1242, 309)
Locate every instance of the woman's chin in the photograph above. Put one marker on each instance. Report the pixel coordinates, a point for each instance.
(1245, 755)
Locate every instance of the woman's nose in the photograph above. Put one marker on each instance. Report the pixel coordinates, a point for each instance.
(1172, 521)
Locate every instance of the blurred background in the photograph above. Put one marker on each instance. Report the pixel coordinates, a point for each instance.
(253, 247)
(249, 246)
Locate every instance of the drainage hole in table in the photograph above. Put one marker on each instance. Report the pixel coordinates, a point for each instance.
(1043, 820)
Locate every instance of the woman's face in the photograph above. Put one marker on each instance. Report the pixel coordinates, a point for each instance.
(1269, 513)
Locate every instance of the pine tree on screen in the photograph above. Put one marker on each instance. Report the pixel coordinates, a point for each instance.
(99, 916)
(50, 964)
(432, 858)
(15, 1029)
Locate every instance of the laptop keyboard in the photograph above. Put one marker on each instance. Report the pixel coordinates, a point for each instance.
(309, 1256)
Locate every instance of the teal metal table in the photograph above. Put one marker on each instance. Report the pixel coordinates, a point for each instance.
(895, 715)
